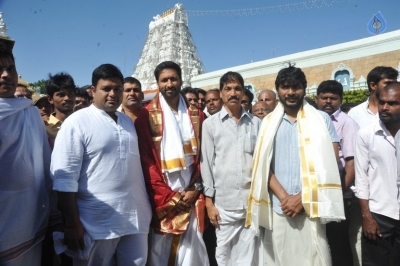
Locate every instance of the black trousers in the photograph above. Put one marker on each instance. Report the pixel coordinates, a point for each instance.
(338, 239)
(385, 249)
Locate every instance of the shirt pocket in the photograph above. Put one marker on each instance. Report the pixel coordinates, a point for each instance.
(249, 143)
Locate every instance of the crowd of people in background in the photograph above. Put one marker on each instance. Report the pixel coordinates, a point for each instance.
(93, 176)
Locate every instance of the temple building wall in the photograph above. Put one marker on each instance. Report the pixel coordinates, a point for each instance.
(349, 63)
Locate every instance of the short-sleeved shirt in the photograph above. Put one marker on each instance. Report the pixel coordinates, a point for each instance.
(346, 129)
(286, 159)
(99, 160)
(52, 127)
(227, 155)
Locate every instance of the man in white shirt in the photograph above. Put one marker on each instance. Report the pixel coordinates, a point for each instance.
(376, 181)
(367, 112)
(24, 170)
(97, 172)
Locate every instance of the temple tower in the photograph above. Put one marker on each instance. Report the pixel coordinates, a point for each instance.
(5, 41)
(169, 39)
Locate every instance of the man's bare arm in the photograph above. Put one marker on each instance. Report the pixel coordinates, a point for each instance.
(336, 150)
(350, 173)
(212, 212)
(73, 229)
(291, 205)
(370, 227)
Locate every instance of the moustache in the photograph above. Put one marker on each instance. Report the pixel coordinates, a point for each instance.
(291, 98)
(233, 97)
(6, 83)
(385, 113)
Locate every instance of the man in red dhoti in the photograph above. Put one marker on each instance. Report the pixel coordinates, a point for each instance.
(169, 142)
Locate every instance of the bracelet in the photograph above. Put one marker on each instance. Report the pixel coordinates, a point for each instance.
(70, 226)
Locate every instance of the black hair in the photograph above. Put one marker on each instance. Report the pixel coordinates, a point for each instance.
(58, 82)
(82, 92)
(133, 80)
(4, 54)
(201, 91)
(250, 95)
(230, 76)
(106, 71)
(311, 102)
(290, 75)
(381, 72)
(165, 65)
(189, 90)
(330, 86)
(347, 106)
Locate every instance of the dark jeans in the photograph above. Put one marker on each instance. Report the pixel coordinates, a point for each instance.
(386, 248)
(338, 239)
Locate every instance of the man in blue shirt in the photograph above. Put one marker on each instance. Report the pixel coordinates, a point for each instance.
(298, 146)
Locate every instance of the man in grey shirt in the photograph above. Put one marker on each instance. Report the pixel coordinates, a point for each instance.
(228, 142)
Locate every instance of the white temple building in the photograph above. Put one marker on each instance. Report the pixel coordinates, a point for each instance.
(169, 39)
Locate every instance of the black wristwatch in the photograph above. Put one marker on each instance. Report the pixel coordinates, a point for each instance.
(199, 186)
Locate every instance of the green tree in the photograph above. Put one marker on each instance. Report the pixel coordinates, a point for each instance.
(355, 96)
(39, 86)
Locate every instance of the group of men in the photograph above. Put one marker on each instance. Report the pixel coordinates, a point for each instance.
(133, 185)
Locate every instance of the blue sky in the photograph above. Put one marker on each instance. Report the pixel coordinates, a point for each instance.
(76, 36)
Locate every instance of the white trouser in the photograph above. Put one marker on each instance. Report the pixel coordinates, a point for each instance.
(125, 251)
(296, 241)
(191, 250)
(236, 244)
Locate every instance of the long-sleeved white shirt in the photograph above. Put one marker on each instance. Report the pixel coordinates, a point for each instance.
(99, 160)
(376, 170)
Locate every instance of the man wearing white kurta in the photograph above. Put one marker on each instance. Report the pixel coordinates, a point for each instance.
(97, 172)
(24, 171)
(295, 180)
(227, 151)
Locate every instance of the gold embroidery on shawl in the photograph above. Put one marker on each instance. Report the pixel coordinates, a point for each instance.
(170, 222)
(170, 205)
(251, 199)
(194, 115)
(330, 186)
(174, 250)
(173, 163)
(262, 201)
(156, 127)
(310, 184)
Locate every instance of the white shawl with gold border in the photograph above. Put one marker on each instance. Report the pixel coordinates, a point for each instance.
(321, 188)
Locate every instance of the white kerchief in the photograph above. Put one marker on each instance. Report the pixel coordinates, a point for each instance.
(178, 144)
(321, 188)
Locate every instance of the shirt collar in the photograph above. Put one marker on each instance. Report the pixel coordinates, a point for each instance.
(104, 113)
(336, 115)
(223, 114)
(381, 128)
(53, 120)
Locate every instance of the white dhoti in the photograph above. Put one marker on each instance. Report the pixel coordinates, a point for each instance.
(188, 247)
(236, 244)
(296, 241)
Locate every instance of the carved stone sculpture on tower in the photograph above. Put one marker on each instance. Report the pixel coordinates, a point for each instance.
(169, 39)
(6, 43)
